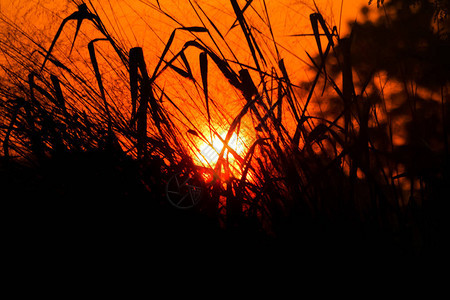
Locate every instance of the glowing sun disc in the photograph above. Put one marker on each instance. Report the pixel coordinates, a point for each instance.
(209, 153)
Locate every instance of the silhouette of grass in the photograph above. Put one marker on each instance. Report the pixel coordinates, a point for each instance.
(313, 184)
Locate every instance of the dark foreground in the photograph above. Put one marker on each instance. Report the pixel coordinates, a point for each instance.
(77, 214)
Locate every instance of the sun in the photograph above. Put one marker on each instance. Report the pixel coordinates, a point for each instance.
(209, 151)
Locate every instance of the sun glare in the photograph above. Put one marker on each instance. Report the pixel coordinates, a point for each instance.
(209, 152)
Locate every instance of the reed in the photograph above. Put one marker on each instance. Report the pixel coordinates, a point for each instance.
(302, 175)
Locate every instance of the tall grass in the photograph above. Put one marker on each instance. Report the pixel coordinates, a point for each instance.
(302, 175)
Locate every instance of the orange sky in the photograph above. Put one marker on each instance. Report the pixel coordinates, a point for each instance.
(138, 23)
(287, 16)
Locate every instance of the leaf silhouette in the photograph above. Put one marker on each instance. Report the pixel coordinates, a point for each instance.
(204, 73)
(169, 43)
(80, 15)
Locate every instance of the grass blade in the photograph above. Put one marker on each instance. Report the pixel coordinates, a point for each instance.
(204, 73)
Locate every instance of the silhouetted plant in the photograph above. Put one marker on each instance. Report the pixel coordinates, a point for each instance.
(301, 172)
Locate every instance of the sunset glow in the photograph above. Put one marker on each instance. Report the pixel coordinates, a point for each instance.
(209, 152)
